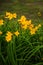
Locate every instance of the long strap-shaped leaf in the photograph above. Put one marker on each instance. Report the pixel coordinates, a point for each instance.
(32, 52)
(36, 49)
(12, 52)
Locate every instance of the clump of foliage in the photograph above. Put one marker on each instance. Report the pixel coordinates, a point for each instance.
(21, 42)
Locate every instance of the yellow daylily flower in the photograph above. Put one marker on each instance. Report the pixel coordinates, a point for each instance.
(1, 22)
(8, 13)
(8, 36)
(24, 26)
(36, 28)
(24, 23)
(28, 22)
(9, 33)
(39, 25)
(9, 16)
(14, 15)
(0, 32)
(16, 33)
(23, 18)
(32, 31)
(31, 26)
